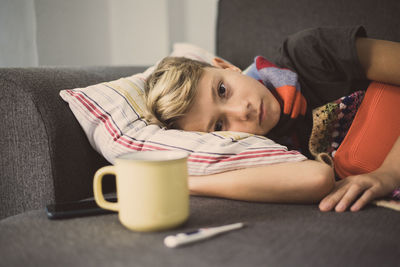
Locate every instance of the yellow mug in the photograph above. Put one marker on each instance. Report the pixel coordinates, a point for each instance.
(152, 189)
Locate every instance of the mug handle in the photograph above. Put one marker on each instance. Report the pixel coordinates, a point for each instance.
(97, 188)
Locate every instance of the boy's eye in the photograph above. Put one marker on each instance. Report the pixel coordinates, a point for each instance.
(218, 126)
(221, 90)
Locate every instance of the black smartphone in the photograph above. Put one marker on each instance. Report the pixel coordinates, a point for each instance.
(81, 208)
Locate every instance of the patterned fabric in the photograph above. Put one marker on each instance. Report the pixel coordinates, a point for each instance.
(111, 114)
(331, 123)
(285, 86)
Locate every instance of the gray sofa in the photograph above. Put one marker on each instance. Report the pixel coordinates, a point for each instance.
(46, 158)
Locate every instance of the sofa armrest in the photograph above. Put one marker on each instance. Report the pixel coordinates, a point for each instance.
(45, 156)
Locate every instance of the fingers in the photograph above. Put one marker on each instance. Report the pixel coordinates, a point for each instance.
(330, 201)
(351, 194)
(360, 189)
(363, 200)
(345, 193)
(356, 188)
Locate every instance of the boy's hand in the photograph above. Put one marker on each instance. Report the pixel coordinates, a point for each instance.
(360, 189)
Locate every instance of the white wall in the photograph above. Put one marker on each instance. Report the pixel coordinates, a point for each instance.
(101, 32)
(139, 31)
(73, 32)
(193, 21)
(201, 23)
(17, 34)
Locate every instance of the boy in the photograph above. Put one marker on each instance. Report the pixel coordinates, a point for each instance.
(330, 63)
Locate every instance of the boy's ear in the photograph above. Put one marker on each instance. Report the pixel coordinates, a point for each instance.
(220, 63)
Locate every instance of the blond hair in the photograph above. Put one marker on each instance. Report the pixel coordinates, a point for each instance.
(171, 88)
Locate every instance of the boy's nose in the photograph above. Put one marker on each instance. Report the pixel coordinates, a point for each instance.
(240, 111)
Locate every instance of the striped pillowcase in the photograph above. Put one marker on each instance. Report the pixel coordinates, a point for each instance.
(111, 114)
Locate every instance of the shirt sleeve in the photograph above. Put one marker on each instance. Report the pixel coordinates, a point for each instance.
(326, 61)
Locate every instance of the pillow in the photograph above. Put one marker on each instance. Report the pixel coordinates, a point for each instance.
(111, 114)
(376, 125)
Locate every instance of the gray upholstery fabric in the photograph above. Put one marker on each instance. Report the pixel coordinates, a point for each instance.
(44, 154)
(258, 27)
(276, 235)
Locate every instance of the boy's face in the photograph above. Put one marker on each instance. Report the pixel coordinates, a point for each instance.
(227, 100)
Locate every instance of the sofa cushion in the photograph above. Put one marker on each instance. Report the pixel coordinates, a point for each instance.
(258, 27)
(275, 235)
(44, 155)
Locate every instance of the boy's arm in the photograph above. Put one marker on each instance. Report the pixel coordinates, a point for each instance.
(366, 187)
(380, 59)
(293, 182)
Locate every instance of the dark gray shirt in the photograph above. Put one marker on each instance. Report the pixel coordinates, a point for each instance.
(328, 67)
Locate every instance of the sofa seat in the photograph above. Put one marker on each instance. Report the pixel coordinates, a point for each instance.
(275, 235)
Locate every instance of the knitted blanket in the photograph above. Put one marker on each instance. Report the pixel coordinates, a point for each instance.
(331, 122)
